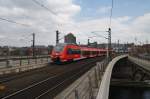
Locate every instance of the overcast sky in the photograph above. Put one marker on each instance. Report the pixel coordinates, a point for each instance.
(131, 19)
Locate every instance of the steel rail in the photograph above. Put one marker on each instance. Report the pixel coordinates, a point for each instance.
(30, 86)
(40, 83)
(61, 83)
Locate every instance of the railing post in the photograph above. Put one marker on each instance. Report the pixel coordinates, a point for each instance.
(41, 60)
(20, 62)
(7, 63)
(90, 88)
(76, 94)
(96, 80)
(28, 60)
(36, 60)
(99, 71)
(47, 59)
(103, 66)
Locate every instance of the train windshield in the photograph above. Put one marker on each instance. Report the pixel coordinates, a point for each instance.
(59, 47)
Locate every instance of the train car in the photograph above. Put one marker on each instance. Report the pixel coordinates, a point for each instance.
(63, 52)
(92, 52)
(88, 52)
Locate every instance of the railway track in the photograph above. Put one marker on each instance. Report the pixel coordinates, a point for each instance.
(49, 86)
(9, 77)
(50, 93)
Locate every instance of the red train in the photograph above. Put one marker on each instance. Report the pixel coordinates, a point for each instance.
(68, 52)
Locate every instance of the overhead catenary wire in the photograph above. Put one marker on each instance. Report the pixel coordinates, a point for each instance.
(12, 21)
(51, 12)
(46, 8)
(99, 35)
(43, 6)
(111, 13)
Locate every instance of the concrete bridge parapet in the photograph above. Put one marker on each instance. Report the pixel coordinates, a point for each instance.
(104, 87)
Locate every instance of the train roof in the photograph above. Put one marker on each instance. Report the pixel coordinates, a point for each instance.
(82, 47)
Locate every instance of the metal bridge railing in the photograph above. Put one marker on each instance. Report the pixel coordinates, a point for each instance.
(142, 57)
(22, 63)
(140, 62)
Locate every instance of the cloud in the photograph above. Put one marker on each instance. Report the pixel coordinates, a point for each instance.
(2, 36)
(124, 28)
(142, 23)
(14, 11)
(44, 24)
(124, 18)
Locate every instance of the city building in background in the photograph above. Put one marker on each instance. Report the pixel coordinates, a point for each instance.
(70, 38)
(25, 51)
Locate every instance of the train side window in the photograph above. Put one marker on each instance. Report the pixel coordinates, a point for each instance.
(75, 51)
(69, 51)
(78, 51)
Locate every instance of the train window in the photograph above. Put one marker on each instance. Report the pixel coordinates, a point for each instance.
(73, 51)
(84, 53)
(77, 51)
(59, 47)
(69, 51)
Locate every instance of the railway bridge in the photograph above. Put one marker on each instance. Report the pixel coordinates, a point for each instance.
(94, 78)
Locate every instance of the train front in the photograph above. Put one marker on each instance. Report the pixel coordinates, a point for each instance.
(58, 53)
